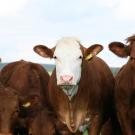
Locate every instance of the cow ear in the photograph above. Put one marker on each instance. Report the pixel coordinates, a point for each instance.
(119, 49)
(44, 51)
(92, 51)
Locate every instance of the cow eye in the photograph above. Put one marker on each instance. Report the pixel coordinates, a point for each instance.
(80, 57)
(54, 57)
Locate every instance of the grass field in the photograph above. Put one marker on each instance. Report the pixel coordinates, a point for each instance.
(85, 132)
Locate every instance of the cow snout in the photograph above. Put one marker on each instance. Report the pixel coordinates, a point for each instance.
(66, 79)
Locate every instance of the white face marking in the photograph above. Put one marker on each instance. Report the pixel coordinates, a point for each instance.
(68, 61)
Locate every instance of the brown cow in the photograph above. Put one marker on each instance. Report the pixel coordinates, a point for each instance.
(30, 80)
(125, 85)
(8, 109)
(80, 88)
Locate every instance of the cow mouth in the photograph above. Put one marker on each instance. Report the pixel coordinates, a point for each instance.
(67, 87)
(69, 90)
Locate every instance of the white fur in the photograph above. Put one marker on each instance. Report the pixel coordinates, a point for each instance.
(85, 125)
(68, 52)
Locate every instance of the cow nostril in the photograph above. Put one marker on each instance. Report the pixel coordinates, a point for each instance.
(71, 78)
(66, 78)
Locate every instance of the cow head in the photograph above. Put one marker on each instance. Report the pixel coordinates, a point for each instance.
(68, 54)
(123, 50)
(8, 109)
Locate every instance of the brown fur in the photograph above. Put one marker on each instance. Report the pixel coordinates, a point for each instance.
(8, 109)
(42, 124)
(124, 92)
(26, 77)
(30, 80)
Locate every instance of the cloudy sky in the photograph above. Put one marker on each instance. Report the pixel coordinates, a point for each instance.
(25, 23)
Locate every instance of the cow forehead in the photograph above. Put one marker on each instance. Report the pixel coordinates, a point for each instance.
(68, 46)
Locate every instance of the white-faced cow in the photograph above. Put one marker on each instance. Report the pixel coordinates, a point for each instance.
(125, 85)
(80, 88)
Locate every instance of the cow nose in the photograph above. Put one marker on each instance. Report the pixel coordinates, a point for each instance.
(66, 78)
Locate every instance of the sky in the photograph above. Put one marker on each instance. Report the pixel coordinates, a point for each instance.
(26, 23)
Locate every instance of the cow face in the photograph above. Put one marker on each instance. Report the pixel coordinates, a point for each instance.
(123, 50)
(68, 57)
(8, 110)
(68, 54)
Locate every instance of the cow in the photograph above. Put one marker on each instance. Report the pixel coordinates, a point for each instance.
(8, 109)
(125, 85)
(30, 80)
(80, 87)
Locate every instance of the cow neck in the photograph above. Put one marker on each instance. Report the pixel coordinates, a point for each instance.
(70, 100)
(71, 115)
(76, 119)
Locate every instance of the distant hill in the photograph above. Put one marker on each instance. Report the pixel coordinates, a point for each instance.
(2, 65)
(50, 67)
(115, 70)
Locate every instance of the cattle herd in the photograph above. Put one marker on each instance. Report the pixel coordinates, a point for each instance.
(80, 95)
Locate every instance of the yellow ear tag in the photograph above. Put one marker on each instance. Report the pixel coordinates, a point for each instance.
(26, 105)
(89, 57)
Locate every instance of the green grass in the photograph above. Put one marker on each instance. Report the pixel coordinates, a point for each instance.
(85, 132)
